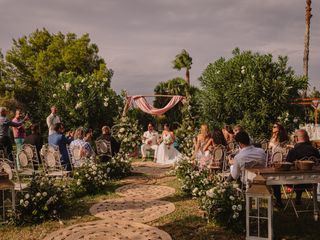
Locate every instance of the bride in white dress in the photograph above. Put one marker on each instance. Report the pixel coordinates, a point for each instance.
(167, 154)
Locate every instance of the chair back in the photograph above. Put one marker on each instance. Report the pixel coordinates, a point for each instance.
(31, 152)
(217, 158)
(50, 155)
(276, 157)
(25, 163)
(76, 156)
(104, 147)
(264, 145)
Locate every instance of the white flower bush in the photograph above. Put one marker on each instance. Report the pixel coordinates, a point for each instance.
(119, 166)
(44, 200)
(90, 178)
(128, 132)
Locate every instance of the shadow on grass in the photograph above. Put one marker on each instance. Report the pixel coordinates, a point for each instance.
(196, 228)
(287, 226)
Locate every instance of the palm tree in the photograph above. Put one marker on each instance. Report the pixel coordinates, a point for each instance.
(307, 38)
(183, 60)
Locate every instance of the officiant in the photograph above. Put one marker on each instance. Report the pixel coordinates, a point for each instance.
(150, 140)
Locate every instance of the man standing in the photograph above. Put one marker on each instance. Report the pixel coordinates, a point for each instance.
(150, 140)
(57, 138)
(248, 156)
(52, 119)
(5, 141)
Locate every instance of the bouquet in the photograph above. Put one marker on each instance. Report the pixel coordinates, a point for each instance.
(167, 140)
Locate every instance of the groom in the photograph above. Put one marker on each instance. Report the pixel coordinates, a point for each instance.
(150, 139)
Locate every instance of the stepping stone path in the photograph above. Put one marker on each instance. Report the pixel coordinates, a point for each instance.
(141, 191)
(123, 217)
(132, 210)
(109, 230)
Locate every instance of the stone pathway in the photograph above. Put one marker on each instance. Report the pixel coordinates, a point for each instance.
(123, 218)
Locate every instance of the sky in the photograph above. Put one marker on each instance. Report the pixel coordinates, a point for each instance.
(139, 38)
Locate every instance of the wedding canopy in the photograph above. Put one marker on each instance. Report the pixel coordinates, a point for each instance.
(141, 102)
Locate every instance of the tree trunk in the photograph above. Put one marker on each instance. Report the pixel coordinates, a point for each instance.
(188, 76)
(307, 38)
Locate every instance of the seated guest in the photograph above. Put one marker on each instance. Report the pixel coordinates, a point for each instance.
(228, 133)
(237, 128)
(248, 156)
(202, 154)
(106, 135)
(35, 138)
(150, 140)
(57, 138)
(302, 149)
(217, 138)
(278, 137)
(85, 147)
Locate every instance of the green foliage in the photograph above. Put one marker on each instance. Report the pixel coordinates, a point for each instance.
(119, 166)
(89, 178)
(250, 89)
(39, 67)
(128, 132)
(224, 204)
(176, 86)
(44, 200)
(182, 60)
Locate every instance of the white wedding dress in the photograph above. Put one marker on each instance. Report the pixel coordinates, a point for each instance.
(167, 154)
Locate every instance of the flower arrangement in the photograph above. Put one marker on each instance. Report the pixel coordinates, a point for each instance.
(89, 178)
(224, 204)
(128, 133)
(42, 201)
(119, 166)
(190, 176)
(168, 140)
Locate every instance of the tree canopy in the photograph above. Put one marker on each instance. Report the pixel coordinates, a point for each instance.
(44, 68)
(183, 60)
(250, 89)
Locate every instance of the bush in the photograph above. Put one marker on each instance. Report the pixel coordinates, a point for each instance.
(90, 178)
(119, 166)
(44, 200)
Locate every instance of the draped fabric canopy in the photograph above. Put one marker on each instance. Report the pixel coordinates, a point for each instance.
(142, 103)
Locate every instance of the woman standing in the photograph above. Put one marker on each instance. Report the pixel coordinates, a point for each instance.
(167, 154)
(201, 154)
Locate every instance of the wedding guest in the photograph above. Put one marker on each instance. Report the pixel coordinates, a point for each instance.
(202, 155)
(52, 119)
(57, 138)
(237, 128)
(228, 133)
(216, 139)
(35, 139)
(85, 147)
(106, 135)
(248, 156)
(19, 133)
(150, 140)
(5, 123)
(301, 150)
(278, 138)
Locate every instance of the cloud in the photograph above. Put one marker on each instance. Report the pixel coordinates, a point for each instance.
(140, 38)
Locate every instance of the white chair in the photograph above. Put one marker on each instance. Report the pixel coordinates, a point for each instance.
(32, 154)
(104, 148)
(25, 166)
(6, 165)
(51, 161)
(217, 161)
(76, 157)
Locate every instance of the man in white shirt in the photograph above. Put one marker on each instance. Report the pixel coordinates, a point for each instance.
(52, 119)
(150, 141)
(248, 156)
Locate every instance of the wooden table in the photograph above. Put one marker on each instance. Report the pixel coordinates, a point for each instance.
(276, 177)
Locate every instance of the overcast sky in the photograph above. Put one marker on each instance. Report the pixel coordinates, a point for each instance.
(139, 38)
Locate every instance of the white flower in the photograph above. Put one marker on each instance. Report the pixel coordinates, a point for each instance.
(243, 71)
(78, 182)
(235, 185)
(239, 207)
(210, 193)
(38, 194)
(217, 72)
(67, 86)
(234, 207)
(26, 203)
(27, 196)
(54, 95)
(231, 198)
(195, 191)
(21, 201)
(44, 194)
(79, 104)
(121, 130)
(105, 104)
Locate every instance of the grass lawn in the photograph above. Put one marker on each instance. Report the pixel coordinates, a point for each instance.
(186, 223)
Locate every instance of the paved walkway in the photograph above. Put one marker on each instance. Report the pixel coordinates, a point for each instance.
(124, 218)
